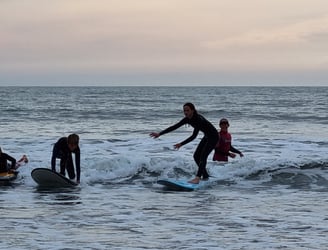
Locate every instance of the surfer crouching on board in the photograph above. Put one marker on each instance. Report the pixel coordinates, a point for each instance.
(63, 150)
(206, 145)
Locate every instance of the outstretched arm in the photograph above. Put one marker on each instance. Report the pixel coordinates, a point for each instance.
(234, 150)
(169, 129)
(191, 138)
(154, 135)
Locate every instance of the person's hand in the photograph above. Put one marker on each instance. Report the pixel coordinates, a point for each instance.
(177, 146)
(232, 155)
(154, 134)
(241, 155)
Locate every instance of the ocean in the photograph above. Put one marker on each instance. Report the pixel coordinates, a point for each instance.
(275, 197)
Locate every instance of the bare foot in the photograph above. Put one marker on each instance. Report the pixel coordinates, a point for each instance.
(195, 180)
(25, 158)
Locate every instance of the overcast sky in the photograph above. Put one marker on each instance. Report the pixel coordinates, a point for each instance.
(163, 42)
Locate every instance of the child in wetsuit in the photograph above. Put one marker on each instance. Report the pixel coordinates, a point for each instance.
(223, 148)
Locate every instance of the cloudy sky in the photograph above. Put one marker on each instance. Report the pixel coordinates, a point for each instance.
(163, 42)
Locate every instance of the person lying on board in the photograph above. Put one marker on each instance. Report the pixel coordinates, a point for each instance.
(5, 166)
(223, 148)
(206, 145)
(63, 150)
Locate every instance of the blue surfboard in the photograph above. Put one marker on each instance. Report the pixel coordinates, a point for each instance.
(179, 185)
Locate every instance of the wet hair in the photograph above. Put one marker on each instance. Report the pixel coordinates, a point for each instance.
(191, 106)
(73, 139)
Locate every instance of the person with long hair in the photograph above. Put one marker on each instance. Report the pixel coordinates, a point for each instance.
(206, 145)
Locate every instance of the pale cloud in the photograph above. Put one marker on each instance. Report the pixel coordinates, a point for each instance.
(296, 33)
(299, 45)
(155, 36)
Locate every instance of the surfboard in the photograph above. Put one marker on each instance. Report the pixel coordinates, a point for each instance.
(45, 177)
(179, 185)
(9, 176)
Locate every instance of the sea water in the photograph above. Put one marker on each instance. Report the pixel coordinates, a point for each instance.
(275, 197)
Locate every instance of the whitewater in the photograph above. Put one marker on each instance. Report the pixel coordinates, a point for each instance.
(275, 197)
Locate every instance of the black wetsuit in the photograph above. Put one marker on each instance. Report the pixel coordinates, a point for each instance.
(4, 164)
(62, 152)
(206, 145)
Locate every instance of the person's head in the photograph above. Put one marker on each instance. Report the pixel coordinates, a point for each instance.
(189, 110)
(73, 141)
(224, 123)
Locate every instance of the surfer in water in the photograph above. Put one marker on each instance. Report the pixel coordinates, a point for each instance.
(5, 167)
(224, 149)
(63, 150)
(206, 145)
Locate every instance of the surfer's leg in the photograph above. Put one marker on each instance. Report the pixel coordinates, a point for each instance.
(197, 157)
(23, 159)
(70, 167)
(202, 161)
(70, 171)
(198, 152)
(202, 172)
(206, 150)
(62, 166)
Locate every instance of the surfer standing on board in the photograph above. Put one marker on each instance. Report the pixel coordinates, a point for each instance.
(206, 145)
(63, 150)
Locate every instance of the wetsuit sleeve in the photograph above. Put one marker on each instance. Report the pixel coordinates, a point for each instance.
(234, 150)
(12, 160)
(77, 164)
(191, 138)
(53, 157)
(174, 127)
